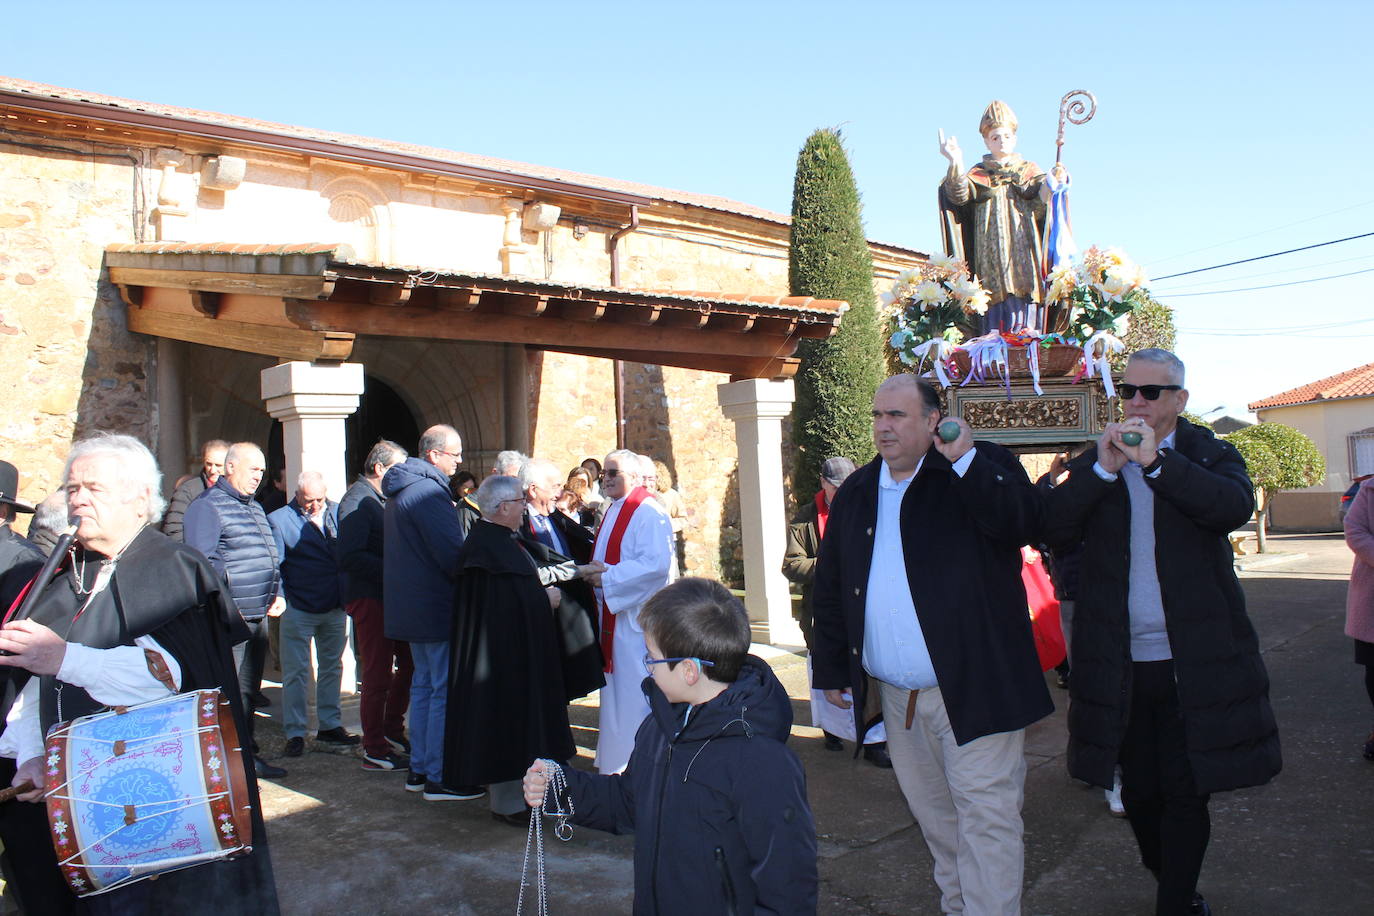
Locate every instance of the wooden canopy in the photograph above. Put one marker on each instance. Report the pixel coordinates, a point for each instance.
(311, 302)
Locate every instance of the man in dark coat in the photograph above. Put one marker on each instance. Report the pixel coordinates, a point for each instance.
(385, 666)
(1167, 675)
(506, 701)
(30, 867)
(563, 549)
(918, 585)
(420, 562)
(143, 618)
(211, 469)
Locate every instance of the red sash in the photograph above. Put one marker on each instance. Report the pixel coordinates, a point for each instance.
(612, 557)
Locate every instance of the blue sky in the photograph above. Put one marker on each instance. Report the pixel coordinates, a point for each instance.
(1224, 131)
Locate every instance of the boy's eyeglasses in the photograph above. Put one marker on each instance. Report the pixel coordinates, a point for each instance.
(650, 662)
(1148, 392)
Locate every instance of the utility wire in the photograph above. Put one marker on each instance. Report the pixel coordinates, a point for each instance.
(1263, 256)
(1250, 289)
(1270, 273)
(1291, 327)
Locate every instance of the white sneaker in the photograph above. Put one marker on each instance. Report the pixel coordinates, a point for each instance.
(1114, 796)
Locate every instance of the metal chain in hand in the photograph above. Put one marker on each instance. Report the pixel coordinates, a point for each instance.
(556, 789)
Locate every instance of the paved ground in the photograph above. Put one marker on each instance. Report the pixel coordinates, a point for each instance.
(349, 841)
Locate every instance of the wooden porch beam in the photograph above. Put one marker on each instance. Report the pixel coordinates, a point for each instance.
(285, 343)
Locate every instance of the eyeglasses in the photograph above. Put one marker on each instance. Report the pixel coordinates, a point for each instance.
(650, 662)
(518, 499)
(1148, 392)
(610, 473)
(456, 456)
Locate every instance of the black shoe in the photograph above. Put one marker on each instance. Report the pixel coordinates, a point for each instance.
(294, 747)
(436, 792)
(415, 782)
(832, 743)
(1061, 680)
(1199, 906)
(876, 754)
(400, 745)
(337, 736)
(258, 700)
(387, 761)
(521, 820)
(265, 770)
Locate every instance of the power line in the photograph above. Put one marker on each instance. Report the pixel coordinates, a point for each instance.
(1270, 273)
(1263, 256)
(1251, 289)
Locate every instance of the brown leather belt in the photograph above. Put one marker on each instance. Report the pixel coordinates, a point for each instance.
(911, 708)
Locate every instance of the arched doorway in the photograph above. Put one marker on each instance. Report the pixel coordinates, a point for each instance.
(381, 414)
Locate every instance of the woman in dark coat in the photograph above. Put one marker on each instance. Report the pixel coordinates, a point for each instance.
(506, 700)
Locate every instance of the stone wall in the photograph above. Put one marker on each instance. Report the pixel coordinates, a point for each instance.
(68, 364)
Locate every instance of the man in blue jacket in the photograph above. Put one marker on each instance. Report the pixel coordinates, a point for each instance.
(306, 531)
(420, 563)
(228, 526)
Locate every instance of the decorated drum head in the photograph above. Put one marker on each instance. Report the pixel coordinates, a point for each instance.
(143, 790)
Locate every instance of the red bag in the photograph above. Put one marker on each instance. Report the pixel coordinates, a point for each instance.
(1044, 610)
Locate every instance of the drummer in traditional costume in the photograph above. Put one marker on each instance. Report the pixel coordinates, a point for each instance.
(635, 541)
(130, 616)
(994, 217)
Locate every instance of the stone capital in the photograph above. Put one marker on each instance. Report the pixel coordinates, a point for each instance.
(756, 399)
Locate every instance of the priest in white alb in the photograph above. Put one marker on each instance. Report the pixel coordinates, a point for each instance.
(635, 542)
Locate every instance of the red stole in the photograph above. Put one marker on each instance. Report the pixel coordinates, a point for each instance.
(822, 514)
(612, 557)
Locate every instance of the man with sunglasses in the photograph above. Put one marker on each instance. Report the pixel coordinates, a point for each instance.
(635, 541)
(1167, 676)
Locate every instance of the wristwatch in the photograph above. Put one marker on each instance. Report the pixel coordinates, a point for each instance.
(1157, 463)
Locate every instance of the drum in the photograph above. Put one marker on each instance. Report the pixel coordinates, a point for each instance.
(139, 791)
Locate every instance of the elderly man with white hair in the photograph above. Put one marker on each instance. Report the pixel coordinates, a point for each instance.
(306, 531)
(141, 617)
(635, 541)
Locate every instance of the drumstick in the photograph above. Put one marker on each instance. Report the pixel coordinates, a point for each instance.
(14, 792)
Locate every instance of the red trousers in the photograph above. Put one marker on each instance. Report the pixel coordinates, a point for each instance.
(386, 672)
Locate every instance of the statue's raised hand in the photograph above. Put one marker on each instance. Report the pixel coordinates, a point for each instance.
(950, 150)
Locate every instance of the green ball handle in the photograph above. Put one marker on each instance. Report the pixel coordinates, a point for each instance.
(949, 431)
(1131, 438)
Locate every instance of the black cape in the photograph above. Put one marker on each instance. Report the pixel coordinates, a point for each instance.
(506, 700)
(168, 591)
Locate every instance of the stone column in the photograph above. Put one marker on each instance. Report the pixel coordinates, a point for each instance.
(173, 446)
(312, 401)
(758, 406)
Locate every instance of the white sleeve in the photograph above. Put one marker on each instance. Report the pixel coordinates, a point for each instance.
(118, 676)
(645, 561)
(23, 737)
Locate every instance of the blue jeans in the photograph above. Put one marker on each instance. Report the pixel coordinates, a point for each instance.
(329, 630)
(428, 705)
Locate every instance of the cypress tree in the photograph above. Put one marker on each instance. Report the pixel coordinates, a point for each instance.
(829, 259)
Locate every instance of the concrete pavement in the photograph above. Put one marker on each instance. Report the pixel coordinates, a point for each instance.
(349, 841)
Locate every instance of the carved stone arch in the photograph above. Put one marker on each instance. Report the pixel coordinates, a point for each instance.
(361, 209)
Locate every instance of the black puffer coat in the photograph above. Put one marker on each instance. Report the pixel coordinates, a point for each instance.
(718, 806)
(1202, 493)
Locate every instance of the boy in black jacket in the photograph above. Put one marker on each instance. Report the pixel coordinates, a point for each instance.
(717, 803)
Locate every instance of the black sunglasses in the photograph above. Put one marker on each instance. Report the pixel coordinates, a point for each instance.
(1149, 392)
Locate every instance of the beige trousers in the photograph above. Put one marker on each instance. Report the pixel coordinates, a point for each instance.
(966, 799)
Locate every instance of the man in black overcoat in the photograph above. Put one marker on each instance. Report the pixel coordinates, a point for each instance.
(506, 700)
(563, 550)
(1167, 675)
(919, 607)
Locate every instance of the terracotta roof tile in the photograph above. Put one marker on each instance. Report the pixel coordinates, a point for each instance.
(1353, 383)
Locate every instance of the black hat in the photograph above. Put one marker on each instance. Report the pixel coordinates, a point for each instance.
(9, 487)
(835, 470)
